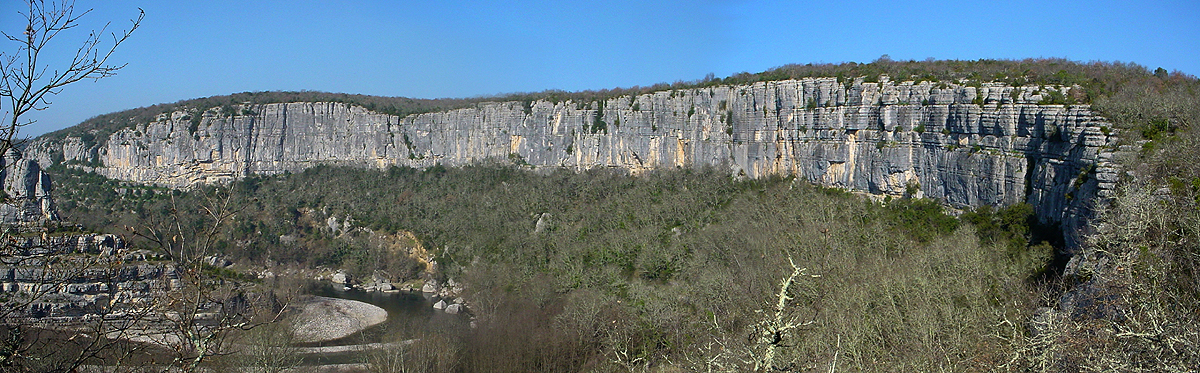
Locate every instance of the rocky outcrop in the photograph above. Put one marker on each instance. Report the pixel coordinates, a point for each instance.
(987, 144)
(26, 191)
(102, 244)
(46, 276)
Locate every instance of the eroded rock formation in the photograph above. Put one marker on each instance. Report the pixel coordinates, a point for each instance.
(26, 191)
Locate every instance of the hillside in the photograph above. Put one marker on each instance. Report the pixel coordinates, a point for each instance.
(571, 263)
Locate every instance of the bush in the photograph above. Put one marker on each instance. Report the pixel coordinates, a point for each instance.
(919, 218)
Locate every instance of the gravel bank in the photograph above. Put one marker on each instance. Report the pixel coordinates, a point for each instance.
(323, 319)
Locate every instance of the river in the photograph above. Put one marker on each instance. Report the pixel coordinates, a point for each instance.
(409, 314)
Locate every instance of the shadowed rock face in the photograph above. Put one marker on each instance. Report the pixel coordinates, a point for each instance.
(968, 146)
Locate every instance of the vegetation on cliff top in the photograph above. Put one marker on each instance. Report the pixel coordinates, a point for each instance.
(1132, 96)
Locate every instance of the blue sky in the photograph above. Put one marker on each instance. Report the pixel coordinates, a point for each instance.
(431, 49)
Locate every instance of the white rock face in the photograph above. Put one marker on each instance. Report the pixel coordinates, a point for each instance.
(28, 190)
(968, 146)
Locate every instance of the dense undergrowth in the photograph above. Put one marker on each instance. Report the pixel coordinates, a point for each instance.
(650, 271)
(1130, 300)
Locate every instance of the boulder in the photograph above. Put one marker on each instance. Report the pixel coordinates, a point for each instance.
(430, 286)
(332, 222)
(454, 309)
(217, 261)
(542, 224)
(440, 305)
(340, 277)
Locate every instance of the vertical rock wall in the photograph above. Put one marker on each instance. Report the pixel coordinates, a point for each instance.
(26, 191)
(989, 144)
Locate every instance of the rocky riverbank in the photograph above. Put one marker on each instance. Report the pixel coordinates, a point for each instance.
(447, 296)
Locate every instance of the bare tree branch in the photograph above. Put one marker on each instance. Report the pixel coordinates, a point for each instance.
(26, 82)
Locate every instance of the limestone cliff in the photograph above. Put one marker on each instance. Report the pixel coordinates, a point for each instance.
(26, 191)
(987, 144)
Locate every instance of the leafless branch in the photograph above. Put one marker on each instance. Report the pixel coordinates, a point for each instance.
(27, 82)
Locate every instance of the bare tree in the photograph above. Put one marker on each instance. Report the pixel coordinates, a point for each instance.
(209, 305)
(200, 309)
(46, 275)
(776, 332)
(26, 80)
(28, 76)
(269, 349)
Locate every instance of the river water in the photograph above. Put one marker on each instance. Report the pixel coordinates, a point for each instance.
(408, 315)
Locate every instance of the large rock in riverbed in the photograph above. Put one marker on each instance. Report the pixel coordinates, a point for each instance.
(323, 319)
(430, 286)
(340, 278)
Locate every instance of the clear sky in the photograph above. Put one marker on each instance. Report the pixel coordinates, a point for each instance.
(432, 49)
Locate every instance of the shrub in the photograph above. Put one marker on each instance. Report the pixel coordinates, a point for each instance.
(921, 219)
